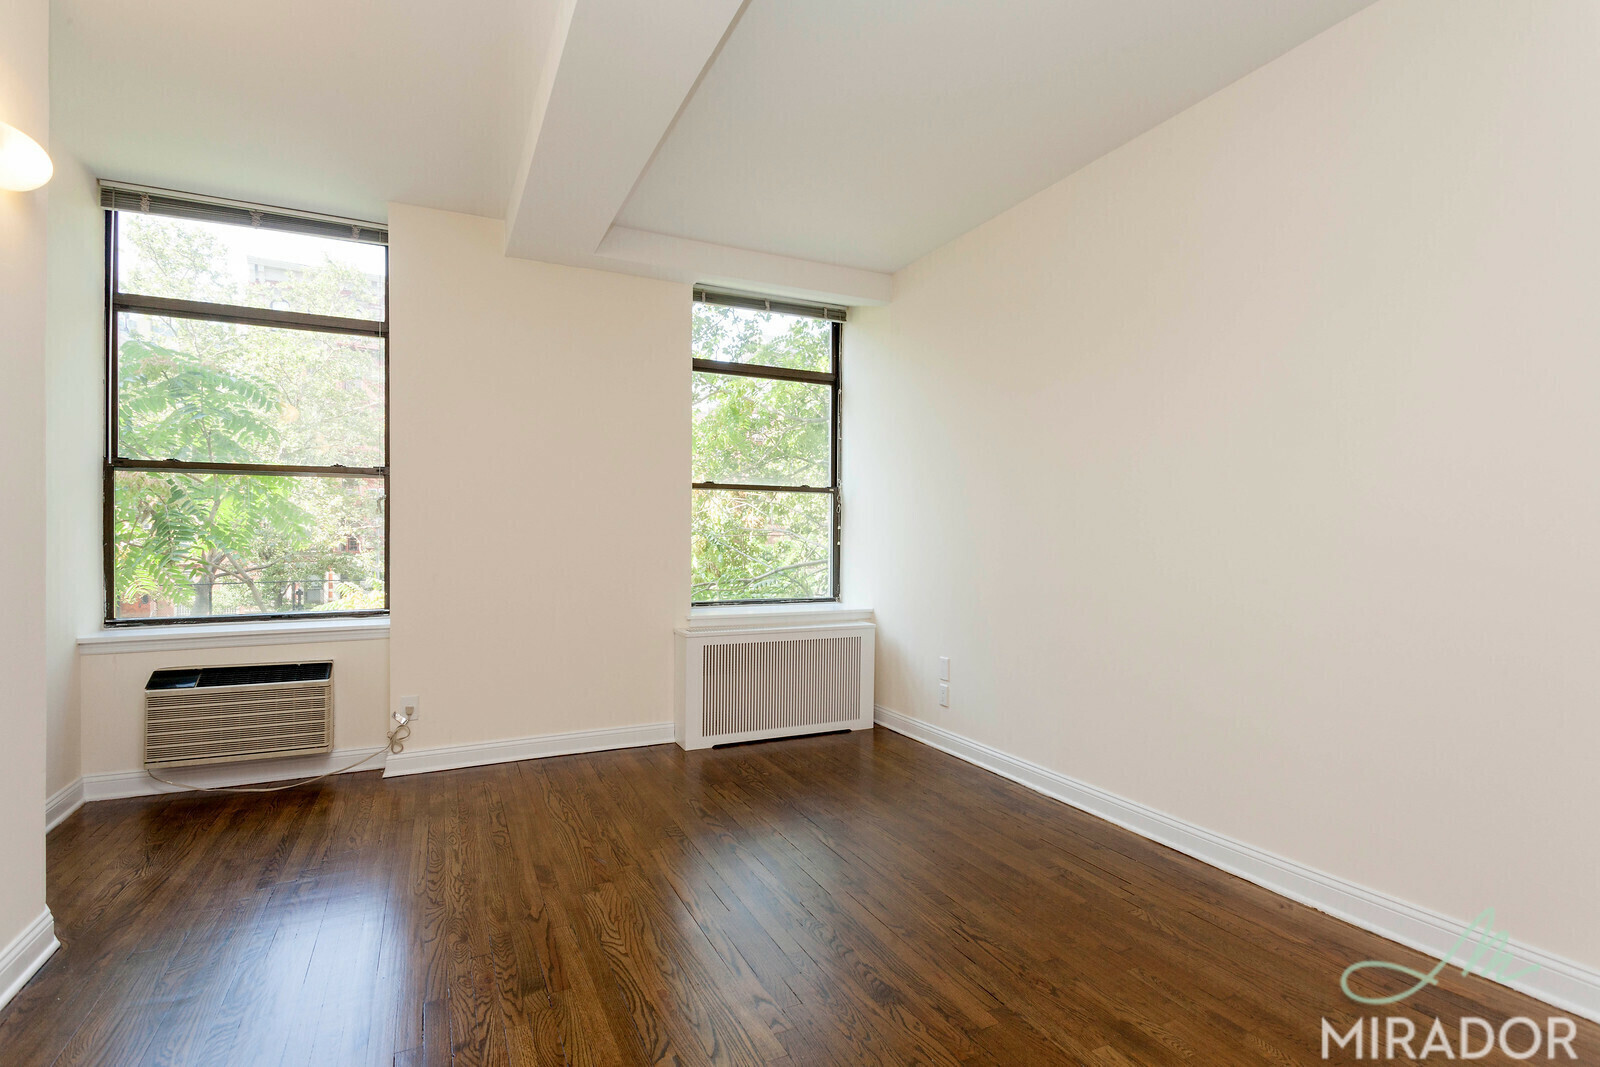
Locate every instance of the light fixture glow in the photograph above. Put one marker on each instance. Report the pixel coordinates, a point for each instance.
(23, 164)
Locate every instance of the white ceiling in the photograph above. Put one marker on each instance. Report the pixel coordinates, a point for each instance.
(330, 105)
(868, 134)
(801, 146)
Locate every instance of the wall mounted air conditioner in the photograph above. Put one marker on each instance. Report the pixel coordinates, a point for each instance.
(747, 677)
(196, 715)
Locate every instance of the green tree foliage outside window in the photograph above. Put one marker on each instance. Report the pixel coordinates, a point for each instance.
(197, 543)
(756, 544)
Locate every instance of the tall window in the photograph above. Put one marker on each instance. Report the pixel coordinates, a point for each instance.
(766, 450)
(247, 434)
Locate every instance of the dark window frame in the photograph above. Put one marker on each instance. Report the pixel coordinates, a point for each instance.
(833, 378)
(115, 200)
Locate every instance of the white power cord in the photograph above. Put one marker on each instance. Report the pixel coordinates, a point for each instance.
(396, 745)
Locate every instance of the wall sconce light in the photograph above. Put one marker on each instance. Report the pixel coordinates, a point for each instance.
(23, 164)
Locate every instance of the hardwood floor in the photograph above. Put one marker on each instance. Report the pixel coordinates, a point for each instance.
(832, 900)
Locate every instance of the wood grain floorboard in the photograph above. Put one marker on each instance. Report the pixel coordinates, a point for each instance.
(840, 900)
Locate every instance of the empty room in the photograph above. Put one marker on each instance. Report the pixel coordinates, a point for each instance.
(799, 532)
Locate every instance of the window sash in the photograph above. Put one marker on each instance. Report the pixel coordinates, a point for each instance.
(759, 370)
(172, 307)
(116, 199)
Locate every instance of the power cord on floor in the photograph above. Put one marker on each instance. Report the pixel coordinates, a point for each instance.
(396, 745)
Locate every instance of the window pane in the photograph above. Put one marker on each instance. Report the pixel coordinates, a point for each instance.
(245, 544)
(158, 255)
(761, 430)
(736, 335)
(197, 390)
(752, 545)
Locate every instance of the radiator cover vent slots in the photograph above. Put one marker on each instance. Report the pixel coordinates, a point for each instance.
(772, 685)
(222, 714)
(751, 676)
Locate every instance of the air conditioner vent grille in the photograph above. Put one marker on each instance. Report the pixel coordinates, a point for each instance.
(780, 685)
(225, 722)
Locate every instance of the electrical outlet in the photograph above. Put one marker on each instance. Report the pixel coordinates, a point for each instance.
(944, 694)
(410, 710)
(944, 668)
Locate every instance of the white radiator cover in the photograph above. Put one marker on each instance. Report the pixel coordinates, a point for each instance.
(749, 675)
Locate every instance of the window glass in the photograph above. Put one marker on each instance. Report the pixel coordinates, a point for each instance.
(768, 338)
(220, 263)
(765, 431)
(190, 544)
(751, 545)
(202, 390)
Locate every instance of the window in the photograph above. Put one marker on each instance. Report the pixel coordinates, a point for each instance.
(766, 450)
(246, 465)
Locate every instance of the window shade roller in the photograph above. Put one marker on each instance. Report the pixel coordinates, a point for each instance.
(132, 198)
(756, 302)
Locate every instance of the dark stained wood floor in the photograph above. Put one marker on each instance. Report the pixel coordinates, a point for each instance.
(832, 900)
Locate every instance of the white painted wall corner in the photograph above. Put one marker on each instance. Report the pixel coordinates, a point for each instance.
(62, 803)
(26, 954)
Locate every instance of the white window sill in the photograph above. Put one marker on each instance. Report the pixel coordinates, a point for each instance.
(741, 617)
(177, 636)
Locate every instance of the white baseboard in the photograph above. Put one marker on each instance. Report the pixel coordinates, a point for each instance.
(26, 954)
(116, 784)
(451, 757)
(62, 803)
(1569, 986)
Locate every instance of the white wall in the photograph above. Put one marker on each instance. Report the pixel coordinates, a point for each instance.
(25, 104)
(539, 429)
(75, 435)
(1251, 472)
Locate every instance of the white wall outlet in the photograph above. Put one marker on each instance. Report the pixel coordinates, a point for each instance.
(944, 694)
(944, 668)
(410, 710)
